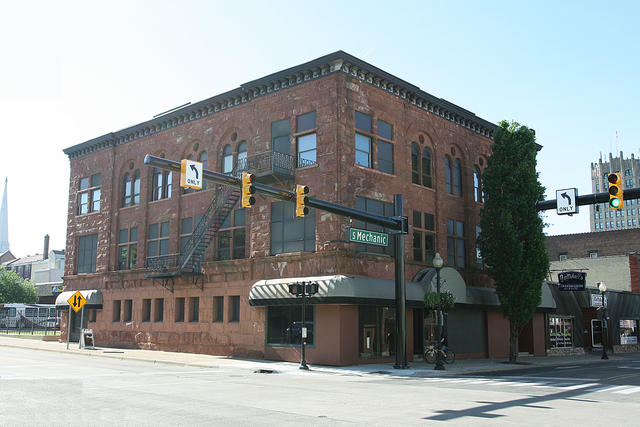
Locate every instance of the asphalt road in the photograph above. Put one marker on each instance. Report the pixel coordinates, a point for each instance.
(45, 388)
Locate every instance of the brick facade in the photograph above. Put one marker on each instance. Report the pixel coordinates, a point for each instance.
(334, 87)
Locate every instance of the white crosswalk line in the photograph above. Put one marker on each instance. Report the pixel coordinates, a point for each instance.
(579, 386)
(608, 388)
(629, 390)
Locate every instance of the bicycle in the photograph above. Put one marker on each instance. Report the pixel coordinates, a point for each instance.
(431, 355)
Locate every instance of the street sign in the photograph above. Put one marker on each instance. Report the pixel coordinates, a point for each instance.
(191, 174)
(77, 301)
(572, 280)
(368, 237)
(566, 201)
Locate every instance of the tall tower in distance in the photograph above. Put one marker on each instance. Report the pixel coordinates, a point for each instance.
(4, 221)
(602, 217)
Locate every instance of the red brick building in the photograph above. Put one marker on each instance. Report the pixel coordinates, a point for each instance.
(356, 136)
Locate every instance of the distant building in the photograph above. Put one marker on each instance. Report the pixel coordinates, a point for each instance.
(612, 258)
(46, 271)
(602, 217)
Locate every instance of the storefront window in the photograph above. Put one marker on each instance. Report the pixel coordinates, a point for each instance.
(561, 332)
(284, 324)
(377, 326)
(628, 331)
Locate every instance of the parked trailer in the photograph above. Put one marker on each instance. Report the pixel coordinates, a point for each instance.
(29, 315)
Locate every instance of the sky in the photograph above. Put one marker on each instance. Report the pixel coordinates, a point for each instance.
(75, 70)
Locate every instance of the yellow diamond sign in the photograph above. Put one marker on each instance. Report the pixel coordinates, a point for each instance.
(77, 301)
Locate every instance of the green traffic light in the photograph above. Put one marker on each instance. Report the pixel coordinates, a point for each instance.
(614, 203)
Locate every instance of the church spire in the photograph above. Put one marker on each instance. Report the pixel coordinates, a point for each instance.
(4, 221)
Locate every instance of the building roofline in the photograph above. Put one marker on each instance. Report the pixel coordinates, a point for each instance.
(334, 62)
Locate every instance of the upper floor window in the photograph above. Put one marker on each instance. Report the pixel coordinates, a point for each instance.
(87, 253)
(628, 172)
(187, 227)
(128, 249)
(453, 176)
(367, 142)
(158, 240)
(231, 237)
(379, 208)
(161, 188)
(424, 173)
(131, 189)
(424, 236)
(456, 243)
(290, 233)
(281, 136)
(477, 185)
(306, 139)
(227, 159)
(89, 194)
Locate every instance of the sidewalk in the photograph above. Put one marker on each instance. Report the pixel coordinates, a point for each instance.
(417, 368)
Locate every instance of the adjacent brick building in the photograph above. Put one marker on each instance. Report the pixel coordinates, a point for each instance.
(356, 136)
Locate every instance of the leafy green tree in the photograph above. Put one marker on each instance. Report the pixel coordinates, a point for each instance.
(15, 289)
(512, 240)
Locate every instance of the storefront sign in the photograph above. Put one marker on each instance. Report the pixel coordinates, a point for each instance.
(572, 281)
(596, 300)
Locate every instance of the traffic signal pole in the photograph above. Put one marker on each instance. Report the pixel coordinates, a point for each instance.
(590, 199)
(399, 225)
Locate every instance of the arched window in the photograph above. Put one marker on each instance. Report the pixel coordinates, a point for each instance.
(131, 189)
(448, 174)
(203, 159)
(477, 185)
(126, 190)
(457, 178)
(427, 177)
(161, 184)
(136, 187)
(242, 156)
(415, 157)
(227, 159)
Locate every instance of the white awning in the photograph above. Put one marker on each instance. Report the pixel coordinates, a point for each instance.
(337, 289)
(93, 297)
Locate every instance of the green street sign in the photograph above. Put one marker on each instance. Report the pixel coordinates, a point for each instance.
(368, 237)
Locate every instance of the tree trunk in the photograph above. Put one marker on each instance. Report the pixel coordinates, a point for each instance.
(513, 342)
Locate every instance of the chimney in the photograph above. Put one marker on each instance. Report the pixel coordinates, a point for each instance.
(45, 253)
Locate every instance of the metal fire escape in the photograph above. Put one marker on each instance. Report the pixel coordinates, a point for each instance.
(270, 167)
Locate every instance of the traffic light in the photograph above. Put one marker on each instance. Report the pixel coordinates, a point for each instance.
(248, 190)
(295, 288)
(302, 200)
(615, 190)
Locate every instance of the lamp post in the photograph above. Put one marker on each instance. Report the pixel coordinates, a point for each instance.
(437, 264)
(603, 288)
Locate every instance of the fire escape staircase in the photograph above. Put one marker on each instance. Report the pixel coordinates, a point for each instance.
(166, 268)
(271, 167)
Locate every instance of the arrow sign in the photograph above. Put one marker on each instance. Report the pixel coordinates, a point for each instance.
(566, 201)
(195, 170)
(190, 174)
(77, 301)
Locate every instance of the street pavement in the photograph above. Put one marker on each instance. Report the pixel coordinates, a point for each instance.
(417, 368)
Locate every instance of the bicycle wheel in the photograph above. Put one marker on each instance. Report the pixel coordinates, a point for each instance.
(430, 357)
(451, 356)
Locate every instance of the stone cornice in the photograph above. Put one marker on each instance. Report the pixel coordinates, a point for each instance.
(318, 68)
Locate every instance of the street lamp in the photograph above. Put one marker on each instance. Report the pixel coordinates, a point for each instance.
(437, 264)
(603, 288)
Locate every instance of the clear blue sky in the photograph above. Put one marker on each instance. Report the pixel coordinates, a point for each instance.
(72, 71)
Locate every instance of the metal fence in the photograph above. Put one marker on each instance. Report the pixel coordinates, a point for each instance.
(23, 325)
